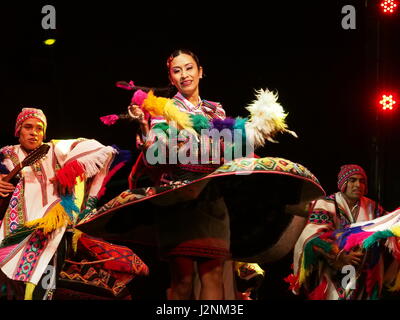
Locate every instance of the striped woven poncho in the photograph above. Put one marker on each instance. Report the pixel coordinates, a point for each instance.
(331, 229)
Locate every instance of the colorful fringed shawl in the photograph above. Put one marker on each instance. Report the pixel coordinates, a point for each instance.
(328, 230)
(37, 216)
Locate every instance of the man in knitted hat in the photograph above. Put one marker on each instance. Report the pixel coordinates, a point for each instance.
(318, 261)
(44, 203)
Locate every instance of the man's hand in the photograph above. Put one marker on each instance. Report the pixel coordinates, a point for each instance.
(353, 258)
(338, 261)
(5, 187)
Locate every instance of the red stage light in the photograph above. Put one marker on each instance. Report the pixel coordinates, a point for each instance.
(387, 102)
(388, 6)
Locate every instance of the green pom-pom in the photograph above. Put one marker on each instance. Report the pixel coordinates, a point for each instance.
(200, 122)
(163, 126)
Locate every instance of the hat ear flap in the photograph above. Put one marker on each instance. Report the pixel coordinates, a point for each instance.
(344, 186)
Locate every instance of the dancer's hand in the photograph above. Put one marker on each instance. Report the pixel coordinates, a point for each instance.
(136, 113)
(338, 261)
(353, 258)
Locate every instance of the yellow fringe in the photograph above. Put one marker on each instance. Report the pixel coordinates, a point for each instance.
(30, 287)
(396, 231)
(75, 238)
(396, 285)
(303, 272)
(54, 219)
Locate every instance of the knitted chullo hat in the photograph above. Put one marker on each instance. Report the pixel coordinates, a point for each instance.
(27, 113)
(348, 170)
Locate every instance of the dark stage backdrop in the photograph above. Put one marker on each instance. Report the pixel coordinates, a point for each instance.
(326, 76)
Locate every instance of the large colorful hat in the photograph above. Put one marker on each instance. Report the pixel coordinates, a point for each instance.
(348, 170)
(27, 113)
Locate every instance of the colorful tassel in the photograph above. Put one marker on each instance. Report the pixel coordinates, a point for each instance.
(69, 205)
(16, 236)
(110, 119)
(396, 230)
(67, 175)
(319, 293)
(293, 282)
(343, 235)
(355, 240)
(75, 238)
(125, 85)
(182, 119)
(54, 219)
(267, 118)
(309, 258)
(163, 126)
(138, 97)
(154, 105)
(30, 287)
(396, 285)
(221, 124)
(200, 122)
(90, 205)
(371, 240)
(94, 162)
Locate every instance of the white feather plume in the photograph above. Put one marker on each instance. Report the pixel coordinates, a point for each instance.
(267, 118)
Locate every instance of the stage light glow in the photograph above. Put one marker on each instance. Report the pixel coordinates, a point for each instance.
(387, 102)
(388, 6)
(49, 42)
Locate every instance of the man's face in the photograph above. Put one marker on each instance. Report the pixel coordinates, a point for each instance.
(355, 187)
(31, 134)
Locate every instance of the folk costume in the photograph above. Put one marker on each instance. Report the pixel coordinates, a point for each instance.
(326, 229)
(38, 217)
(189, 200)
(205, 232)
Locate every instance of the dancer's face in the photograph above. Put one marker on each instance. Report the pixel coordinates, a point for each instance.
(31, 134)
(185, 74)
(355, 187)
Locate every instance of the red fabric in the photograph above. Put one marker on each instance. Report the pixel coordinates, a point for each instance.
(319, 292)
(373, 278)
(108, 178)
(67, 175)
(122, 258)
(293, 281)
(139, 169)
